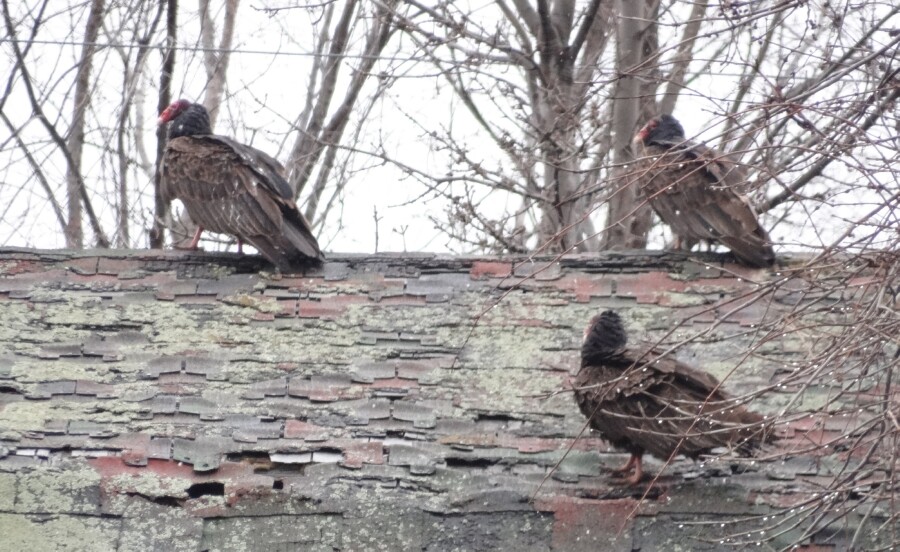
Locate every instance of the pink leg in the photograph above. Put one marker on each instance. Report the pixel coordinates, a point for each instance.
(634, 463)
(196, 239)
(628, 465)
(638, 472)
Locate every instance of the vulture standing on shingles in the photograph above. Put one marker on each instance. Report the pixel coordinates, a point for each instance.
(697, 191)
(231, 188)
(642, 401)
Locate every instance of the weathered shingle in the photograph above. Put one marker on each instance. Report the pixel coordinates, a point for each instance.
(186, 401)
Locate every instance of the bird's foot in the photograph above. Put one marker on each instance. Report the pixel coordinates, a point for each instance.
(633, 467)
(632, 460)
(683, 244)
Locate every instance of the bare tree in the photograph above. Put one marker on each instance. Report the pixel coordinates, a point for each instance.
(316, 136)
(215, 58)
(633, 101)
(75, 141)
(555, 51)
(545, 100)
(71, 149)
(146, 19)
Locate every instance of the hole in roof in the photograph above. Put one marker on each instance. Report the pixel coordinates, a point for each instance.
(169, 501)
(278, 484)
(249, 456)
(471, 463)
(212, 488)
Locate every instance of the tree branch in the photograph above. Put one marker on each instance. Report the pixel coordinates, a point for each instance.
(683, 57)
(102, 241)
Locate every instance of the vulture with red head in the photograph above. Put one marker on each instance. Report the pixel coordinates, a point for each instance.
(645, 401)
(697, 191)
(231, 188)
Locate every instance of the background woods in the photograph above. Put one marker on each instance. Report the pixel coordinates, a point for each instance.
(499, 126)
(502, 127)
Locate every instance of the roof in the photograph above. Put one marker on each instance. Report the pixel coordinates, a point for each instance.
(190, 401)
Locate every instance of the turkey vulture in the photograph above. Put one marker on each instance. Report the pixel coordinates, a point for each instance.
(231, 188)
(642, 401)
(696, 191)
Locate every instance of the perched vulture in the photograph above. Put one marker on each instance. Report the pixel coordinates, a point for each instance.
(231, 188)
(641, 401)
(697, 191)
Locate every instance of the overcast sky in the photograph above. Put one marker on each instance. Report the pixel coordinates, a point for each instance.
(267, 85)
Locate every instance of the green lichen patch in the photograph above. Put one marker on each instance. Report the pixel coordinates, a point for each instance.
(169, 321)
(414, 319)
(33, 415)
(79, 309)
(69, 487)
(508, 389)
(58, 533)
(18, 320)
(149, 526)
(524, 347)
(34, 370)
(7, 491)
(274, 532)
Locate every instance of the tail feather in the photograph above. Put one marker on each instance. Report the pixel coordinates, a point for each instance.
(752, 249)
(302, 240)
(295, 248)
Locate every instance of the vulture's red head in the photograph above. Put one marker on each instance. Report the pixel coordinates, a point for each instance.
(187, 119)
(662, 129)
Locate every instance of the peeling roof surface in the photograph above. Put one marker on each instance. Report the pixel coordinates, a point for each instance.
(186, 401)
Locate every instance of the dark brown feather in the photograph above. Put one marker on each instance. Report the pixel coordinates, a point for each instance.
(230, 188)
(698, 192)
(644, 401)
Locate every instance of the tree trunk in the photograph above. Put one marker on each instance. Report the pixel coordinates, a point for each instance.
(557, 111)
(331, 134)
(305, 152)
(215, 59)
(75, 142)
(628, 218)
(161, 206)
(131, 89)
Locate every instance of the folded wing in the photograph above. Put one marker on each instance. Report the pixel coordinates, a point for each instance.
(231, 188)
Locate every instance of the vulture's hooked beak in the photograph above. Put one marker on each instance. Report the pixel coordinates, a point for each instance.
(641, 136)
(165, 116)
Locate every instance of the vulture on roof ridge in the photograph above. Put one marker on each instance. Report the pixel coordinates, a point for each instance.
(646, 401)
(232, 188)
(698, 191)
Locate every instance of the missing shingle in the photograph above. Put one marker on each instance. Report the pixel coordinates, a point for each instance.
(470, 463)
(167, 501)
(212, 488)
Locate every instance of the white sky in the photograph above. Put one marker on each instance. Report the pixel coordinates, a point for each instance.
(267, 83)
